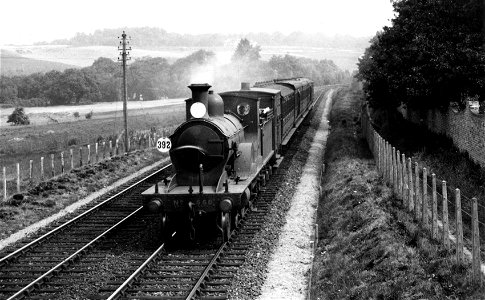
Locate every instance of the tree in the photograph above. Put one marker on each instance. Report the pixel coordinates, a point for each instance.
(8, 90)
(245, 51)
(431, 56)
(18, 117)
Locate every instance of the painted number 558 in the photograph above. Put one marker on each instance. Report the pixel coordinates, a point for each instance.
(164, 144)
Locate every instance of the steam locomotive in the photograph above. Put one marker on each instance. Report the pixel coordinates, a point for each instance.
(226, 150)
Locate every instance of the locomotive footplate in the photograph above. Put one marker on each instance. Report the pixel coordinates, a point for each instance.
(178, 198)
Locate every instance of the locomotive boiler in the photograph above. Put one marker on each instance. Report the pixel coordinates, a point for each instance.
(226, 149)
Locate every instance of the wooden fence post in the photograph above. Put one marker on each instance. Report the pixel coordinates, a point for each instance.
(446, 227)
(386, 162)
(89, 155)
(72, 158)
(390, 172)
(4, 183)
(417, 205)
(52, 165)
(404, 190)
(394, 180)
(42, 168)
(424, 207)
(411, 186)
(31, 167)
(383, 162)
(399, 174)
(379, 154)
(434, 210)
(18, 178)
(81, 156)
(62, 162)
(96, 151)
(459, 228)
(379, 157)
(475, 244)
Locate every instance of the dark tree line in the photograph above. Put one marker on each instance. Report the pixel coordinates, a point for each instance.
(155, 78)
(432, 55)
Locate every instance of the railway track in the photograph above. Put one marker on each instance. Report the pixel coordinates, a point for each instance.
(202, 273)
(27, 268)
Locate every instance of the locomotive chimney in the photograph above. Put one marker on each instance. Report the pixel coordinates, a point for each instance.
(245, 86)
(199, 95)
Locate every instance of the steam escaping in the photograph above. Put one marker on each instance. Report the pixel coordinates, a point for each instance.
(226, 77)
(203, 74)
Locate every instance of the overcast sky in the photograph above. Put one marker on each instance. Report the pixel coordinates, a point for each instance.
(29, 21)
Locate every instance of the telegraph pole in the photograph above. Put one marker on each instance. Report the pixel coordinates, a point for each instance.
(124, 57)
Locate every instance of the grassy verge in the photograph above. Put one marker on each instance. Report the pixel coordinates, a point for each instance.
(369, 248)
(49, 197)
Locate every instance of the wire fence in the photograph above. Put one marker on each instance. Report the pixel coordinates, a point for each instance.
(24, 174)
(442, 210)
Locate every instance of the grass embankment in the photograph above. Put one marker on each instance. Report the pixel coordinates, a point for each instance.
(49, 197)
(369, 248)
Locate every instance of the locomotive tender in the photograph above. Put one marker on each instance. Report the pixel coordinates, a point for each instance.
(226, 149)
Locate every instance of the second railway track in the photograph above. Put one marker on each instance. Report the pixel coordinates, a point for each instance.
(24, 270)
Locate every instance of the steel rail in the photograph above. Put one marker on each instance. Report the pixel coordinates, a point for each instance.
(211, 264)
(37, 282)
(4, 260)
(122, 288)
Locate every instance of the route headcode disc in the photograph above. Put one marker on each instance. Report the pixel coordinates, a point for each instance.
(164, 144)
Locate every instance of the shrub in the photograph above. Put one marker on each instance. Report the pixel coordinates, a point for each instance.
(18, 117)
(76, 114)
(89, 115)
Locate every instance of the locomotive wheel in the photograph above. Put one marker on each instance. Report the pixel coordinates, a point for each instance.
(236, 219)
(226, 226)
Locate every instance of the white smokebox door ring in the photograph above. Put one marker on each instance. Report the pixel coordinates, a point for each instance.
(198, 110)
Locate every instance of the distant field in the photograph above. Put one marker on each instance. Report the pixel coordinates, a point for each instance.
(12, 63)
(65, 113)
(85, 56)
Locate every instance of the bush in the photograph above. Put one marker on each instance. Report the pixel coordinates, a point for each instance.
(76, 114)
(89, 115)
(18, 117)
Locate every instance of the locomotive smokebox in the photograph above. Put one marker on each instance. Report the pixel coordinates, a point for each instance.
(196, 107)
